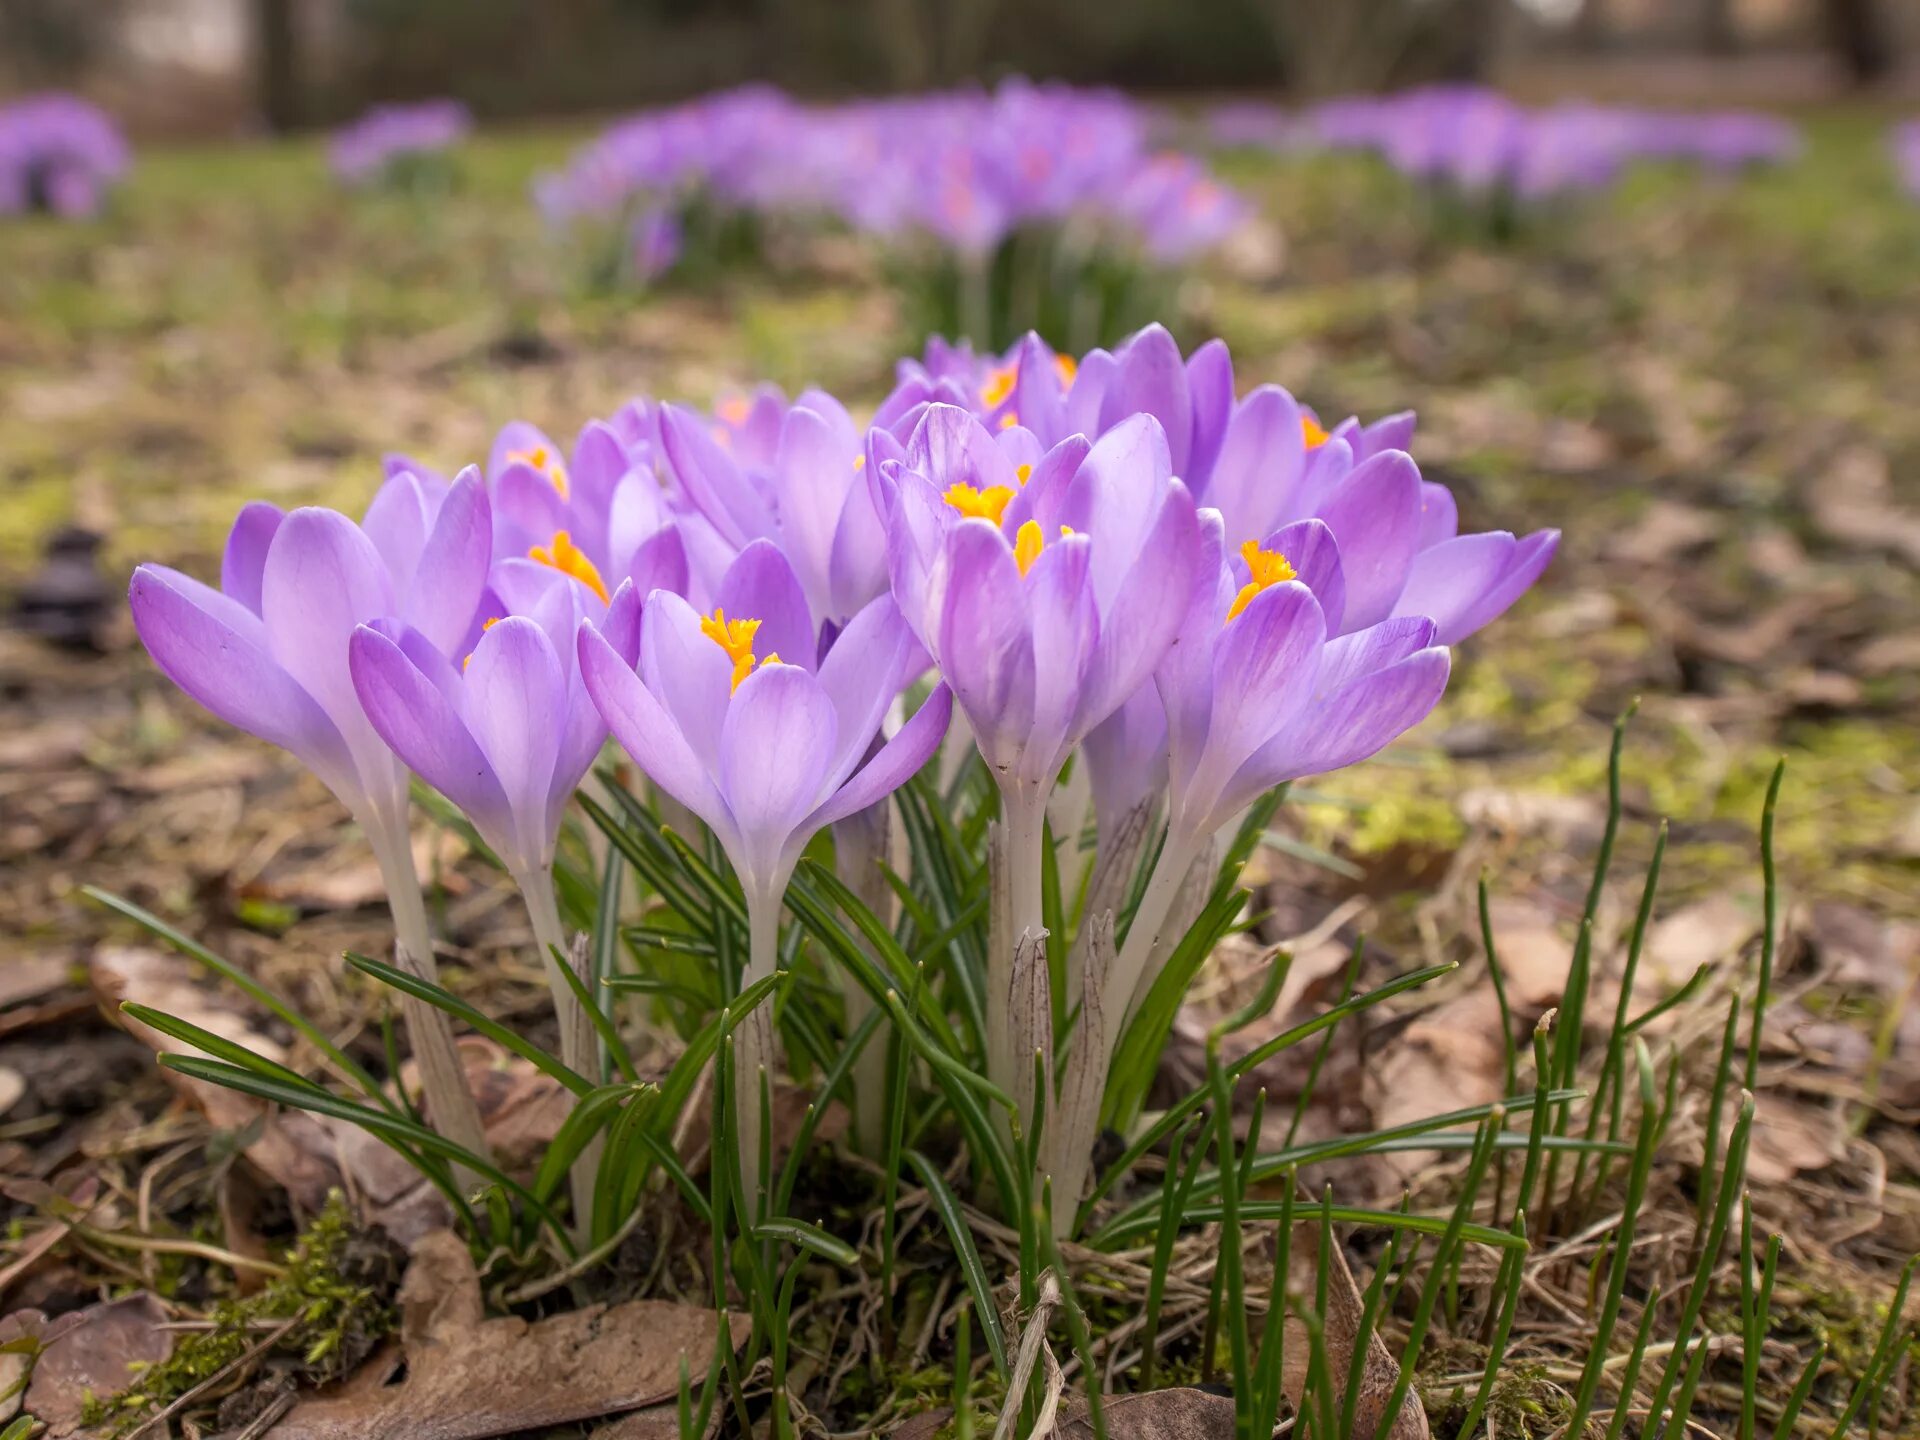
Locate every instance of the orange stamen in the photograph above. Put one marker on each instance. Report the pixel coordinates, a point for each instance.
(1267, 567)
(563, 555)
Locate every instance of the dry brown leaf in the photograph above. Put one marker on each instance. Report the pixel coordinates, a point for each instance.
(1790, 1137)
(1449, 1058)
(1667, 528)
(470, 1377)
(1345, 1313)
(32, 976)
(1177, 1414)
(1534, 955)
(96, 1351)
(1703, 933)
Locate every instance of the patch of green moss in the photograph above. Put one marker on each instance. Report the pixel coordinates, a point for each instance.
(332, 1296)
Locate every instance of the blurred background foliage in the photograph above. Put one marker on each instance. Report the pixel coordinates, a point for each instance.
(213, 65)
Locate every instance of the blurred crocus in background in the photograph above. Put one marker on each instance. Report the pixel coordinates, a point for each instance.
(59, 154)
(404, 146)
(268, 652)
(1904, 141)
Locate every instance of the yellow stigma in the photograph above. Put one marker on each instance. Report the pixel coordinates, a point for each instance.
(1268, 567)
(734, 409)
(566, 557)
(1009, 420)
(485, 626)
(859, 462)
(1023, 473)
(999, 385)
(1068, 368)
(987, 504)
(547, 465)
(1311, 429)
(1026, 546)
(736, 638)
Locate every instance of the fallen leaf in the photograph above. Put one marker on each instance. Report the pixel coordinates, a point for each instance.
(1665, 530)
(1534, 955)
(12, 1086)
(97, 1351)
(469, 1377)
(1449, 1058)
(1702, 933)
(1180, 1413)
(31, 977)
(1790, 1138)
(1380, 1372)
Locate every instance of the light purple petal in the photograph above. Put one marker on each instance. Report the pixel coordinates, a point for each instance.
(1210, 383)
(515, 693)
(711, 479)
(761, 585)
(1439, 514)
(452, 570)
(647, 732)
(416, 718)
(985, 641)
(1260, 465)
(774, 753)
(246, 555)
(1374, 514)
(215, 649)
(1066, 637)
(1315, 556)
(687, 671)
(397, 522)
(897, 762)
(1153, 381)
(861, 675)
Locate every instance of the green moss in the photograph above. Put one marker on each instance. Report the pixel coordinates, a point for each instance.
(333, 1295)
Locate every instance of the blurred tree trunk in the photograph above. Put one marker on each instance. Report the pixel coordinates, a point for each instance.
(276, 47)
(1717, 30)
(1860, 35)
(1590, 28)
(1365, 44)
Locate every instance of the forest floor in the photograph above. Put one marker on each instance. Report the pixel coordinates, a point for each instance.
(1708, 386)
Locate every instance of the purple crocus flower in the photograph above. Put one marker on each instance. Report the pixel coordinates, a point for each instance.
(740, 718)
(388, 138)
(268, 652)
(58, 154)
(792, 474)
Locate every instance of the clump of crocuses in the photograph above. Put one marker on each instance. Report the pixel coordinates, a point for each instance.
(1028, 206)
(1117, 569)
(407, 147)
(59, 155)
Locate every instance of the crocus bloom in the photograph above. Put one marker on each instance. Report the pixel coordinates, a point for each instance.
(382, 142)
(792, 474)
(1047, 592)
(58, 154)
(738, 717)
(268, 652)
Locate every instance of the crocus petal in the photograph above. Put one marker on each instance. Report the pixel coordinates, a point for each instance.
(1439, 514)
(897, 762)
(761, 585)
(857, 562)
(813, 470)
(599, 464)
(1066, 636)
(452, 568)
(215, 649)
(1153, 381)
(1374, 514)
(647, 732)
(322, 578)
(514, 692)
(710, 478)
(527, 509)
(397, 522)
(246, 555)
(1139, 625)
(1210, 384)
(985, 641)
(1126, 756)
(687, 671)
(1117, 494)
(1349, 726)
(1260, 464)
(416, 718)
(1315, 556)
(1264, 672)
(861, 675)
(660, 563)
(774, 753)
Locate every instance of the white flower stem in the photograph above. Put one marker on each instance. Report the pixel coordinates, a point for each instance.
(1023, 810)
(753, 1049)
(1147, 931)
(579, 1042)
(861, 843)
(451, 1108)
